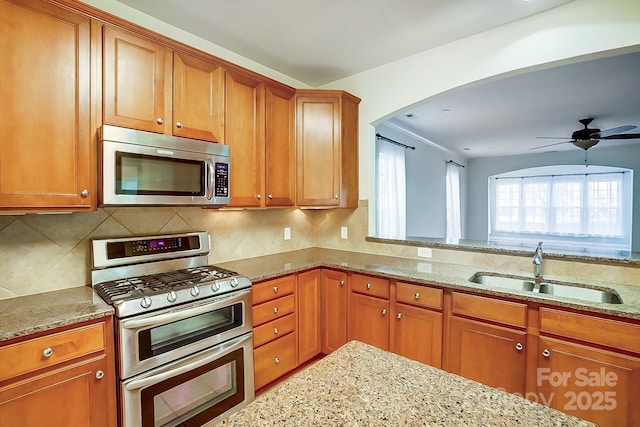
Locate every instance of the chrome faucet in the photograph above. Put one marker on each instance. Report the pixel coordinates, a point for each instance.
(537, 264)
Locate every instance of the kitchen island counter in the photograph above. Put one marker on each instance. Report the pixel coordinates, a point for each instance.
(362, 385)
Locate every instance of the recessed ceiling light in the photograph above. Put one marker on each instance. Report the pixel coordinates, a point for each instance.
(445, 111)
(410, 116)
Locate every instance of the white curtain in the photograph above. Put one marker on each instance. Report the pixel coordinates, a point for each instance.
(391, 204)
(453, 202)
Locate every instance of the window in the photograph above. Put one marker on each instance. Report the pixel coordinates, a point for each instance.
(569, 207)
(391, 203)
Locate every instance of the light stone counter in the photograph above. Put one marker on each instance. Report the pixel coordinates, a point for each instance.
(360, 385)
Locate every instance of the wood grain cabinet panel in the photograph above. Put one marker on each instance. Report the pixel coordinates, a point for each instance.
(272, 289)
(47, 155)
(308, 311)
(334, 309)
(369, 320)
(274, 309)
(417, 334)
(273, 360)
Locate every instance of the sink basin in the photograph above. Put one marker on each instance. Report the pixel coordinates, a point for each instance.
(586, 294)
(506, 282)
(566, 290)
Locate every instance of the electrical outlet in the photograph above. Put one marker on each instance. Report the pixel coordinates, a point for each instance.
(424, 267)
(344, 233)
(287, 233)
(424, 252)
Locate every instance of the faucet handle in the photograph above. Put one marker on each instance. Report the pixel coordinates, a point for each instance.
(539, 248)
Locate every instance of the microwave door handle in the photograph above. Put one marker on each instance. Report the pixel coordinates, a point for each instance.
(181, 368)
(179, 315)
(211, 180)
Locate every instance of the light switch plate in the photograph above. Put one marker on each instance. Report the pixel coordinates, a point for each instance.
(344, 233)
(287, 233)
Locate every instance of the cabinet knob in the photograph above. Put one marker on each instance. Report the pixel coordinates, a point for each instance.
(417, 295)
(546, 353)
(100, 375)
(47, 352)
(179, 125)
(519, 346)
(159, 120)
(84, 193)
(399, 316)
(341, 282)
(275, 331)
(275, 289)
(270, 196)
(276, 360)
(336, 197)
(258, 196)
(384, 311)
(275, 309)
(368, 285)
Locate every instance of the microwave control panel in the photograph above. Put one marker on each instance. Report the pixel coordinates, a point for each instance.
(221, 180)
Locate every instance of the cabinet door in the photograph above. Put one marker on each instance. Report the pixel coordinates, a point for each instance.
(318, 150)
(368, 320)
(492, 355)
(280, 149)
(137, 82)
(417, 334)
(308, 311)
(245, 136)
(76, 395)
(47, 160)
(594, 384)
(334, 310)
(198, 98)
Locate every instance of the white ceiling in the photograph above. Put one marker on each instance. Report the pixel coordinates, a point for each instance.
(320, 41)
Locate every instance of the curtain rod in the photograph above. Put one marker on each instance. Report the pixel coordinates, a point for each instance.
(394, 142)
(455, 163)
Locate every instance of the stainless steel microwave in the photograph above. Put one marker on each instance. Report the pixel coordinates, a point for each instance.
(138, 168)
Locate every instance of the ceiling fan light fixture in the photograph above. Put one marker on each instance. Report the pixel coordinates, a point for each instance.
(585, 144)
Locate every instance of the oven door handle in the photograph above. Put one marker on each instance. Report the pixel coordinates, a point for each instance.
(181, 368)
(179, 315)
(210, 181)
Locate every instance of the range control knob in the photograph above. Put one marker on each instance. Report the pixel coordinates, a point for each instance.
(234, 283)
(215, 286)
(195, 291)
(145, 302)
(171, 296)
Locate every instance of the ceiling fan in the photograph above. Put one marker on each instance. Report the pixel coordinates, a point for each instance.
(588, 137)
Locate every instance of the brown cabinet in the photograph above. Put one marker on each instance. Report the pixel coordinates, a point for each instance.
(326, 148)
(369, 311)
(416, 325)
(44, 374)
(47, 159)
(148, 86)
(333, 310)
(309, 340)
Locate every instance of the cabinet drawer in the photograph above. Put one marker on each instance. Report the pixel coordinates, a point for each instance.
(274, 359)
(609, 332)
(368, 285)
(272, 289)
(271, 310)
(422, 296)
(507, 312)
(273, 330)
(37, 353)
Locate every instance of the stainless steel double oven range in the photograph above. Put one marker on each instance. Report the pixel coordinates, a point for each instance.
(183, 329)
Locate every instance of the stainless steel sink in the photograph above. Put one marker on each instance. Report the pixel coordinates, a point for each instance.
(519, 283)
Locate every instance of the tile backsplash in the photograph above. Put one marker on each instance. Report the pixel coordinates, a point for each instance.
(40, 253)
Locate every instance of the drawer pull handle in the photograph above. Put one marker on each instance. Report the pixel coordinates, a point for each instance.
(368, 285)
(546, 353)
(384, 311)
(100, 375)
(48, 352)
(276, 360)
(341, 282)
(275, 289)
(399, 316)
(417, 295)
(275, 331)
(275, 309)
(519, 346)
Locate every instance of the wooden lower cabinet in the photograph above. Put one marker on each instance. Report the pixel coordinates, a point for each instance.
(308, 310)
(275, 359)
(490, 354)
(333, 310)
(598, 385)
(417, 334)
(369, 320)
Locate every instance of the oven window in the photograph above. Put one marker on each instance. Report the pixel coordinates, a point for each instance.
(170, 336)
(155, 175)
(197, 396)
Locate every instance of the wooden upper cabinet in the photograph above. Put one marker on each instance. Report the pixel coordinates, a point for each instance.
(198, 98)
(148, 86)
(47, 159)
(137, 82)
(326, 149)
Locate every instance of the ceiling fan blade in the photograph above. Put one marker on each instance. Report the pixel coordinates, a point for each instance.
(612, 131)
(551, 137)
(623, 136)
(550, 145)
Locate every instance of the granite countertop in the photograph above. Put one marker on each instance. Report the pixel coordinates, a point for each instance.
(362, 385)
(446, 275)
(31, 314)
